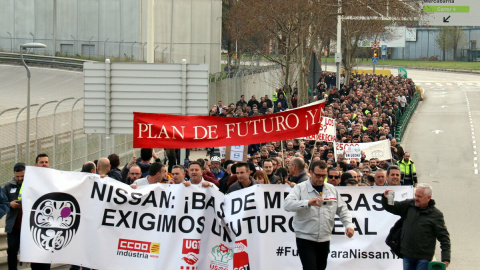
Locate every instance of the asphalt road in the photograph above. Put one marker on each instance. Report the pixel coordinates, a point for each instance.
(46, 85)
(441, 138)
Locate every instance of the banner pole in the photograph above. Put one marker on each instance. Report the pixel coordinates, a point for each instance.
(283, 154)
(314, 148)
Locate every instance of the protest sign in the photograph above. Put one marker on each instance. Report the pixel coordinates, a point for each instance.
(82, 219)
(380, 150)
(177, 131)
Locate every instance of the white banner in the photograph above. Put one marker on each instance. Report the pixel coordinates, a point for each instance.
(264, 231)
(380, 150)
(81, 219)
(77, 218)
(327, 132)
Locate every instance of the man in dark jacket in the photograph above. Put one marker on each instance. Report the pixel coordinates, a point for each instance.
(13, 221)
(269, 170)
(296, 168)
(282, 101)
(224, 180)
(242, 171)
(423, 224)
(115, 172)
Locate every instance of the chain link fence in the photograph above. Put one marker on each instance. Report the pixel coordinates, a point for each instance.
(56, 128)
(99, 50)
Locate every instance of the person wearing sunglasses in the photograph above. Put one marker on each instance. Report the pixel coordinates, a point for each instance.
(315, 204)
(333, 177)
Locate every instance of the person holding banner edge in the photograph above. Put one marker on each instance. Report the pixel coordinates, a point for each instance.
(315, 204)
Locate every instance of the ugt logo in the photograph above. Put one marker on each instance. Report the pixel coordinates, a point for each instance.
(54, 220)
(190, 252)
(240, 257)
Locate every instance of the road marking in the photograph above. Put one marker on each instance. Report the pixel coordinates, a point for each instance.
(437, 131)
(474, 141)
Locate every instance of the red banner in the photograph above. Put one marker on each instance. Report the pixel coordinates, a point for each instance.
(177, 131)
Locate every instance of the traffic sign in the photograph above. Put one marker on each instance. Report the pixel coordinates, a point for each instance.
(384, 51)
(451, 13)
(374, 60)
(402, 72)
(338, 57)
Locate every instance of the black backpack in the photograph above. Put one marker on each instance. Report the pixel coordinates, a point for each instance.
(394, 238)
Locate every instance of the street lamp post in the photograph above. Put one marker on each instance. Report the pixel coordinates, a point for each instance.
(27, 141)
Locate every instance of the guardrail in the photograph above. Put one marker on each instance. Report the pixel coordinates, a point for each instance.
(405, 119)
(52, 61)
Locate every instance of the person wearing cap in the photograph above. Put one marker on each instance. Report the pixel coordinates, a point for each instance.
(216, 169)
(13, 222)
(243, 171)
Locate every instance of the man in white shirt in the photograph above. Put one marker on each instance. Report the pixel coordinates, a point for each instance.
(156, 174)
(195, 171)
(178, 176)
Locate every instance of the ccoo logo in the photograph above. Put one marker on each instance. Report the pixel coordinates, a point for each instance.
(54, 220)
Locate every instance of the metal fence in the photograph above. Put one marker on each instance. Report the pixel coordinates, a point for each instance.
(100, 49)
(56, 128)
(405, 119)
(259, 81)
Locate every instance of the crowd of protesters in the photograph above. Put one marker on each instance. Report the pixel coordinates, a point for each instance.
(366, 110)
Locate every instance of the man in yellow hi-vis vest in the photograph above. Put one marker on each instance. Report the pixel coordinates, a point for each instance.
(275, 95)
(407, 168)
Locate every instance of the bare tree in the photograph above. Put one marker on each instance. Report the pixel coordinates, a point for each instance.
(284, 32)
(367, 19)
